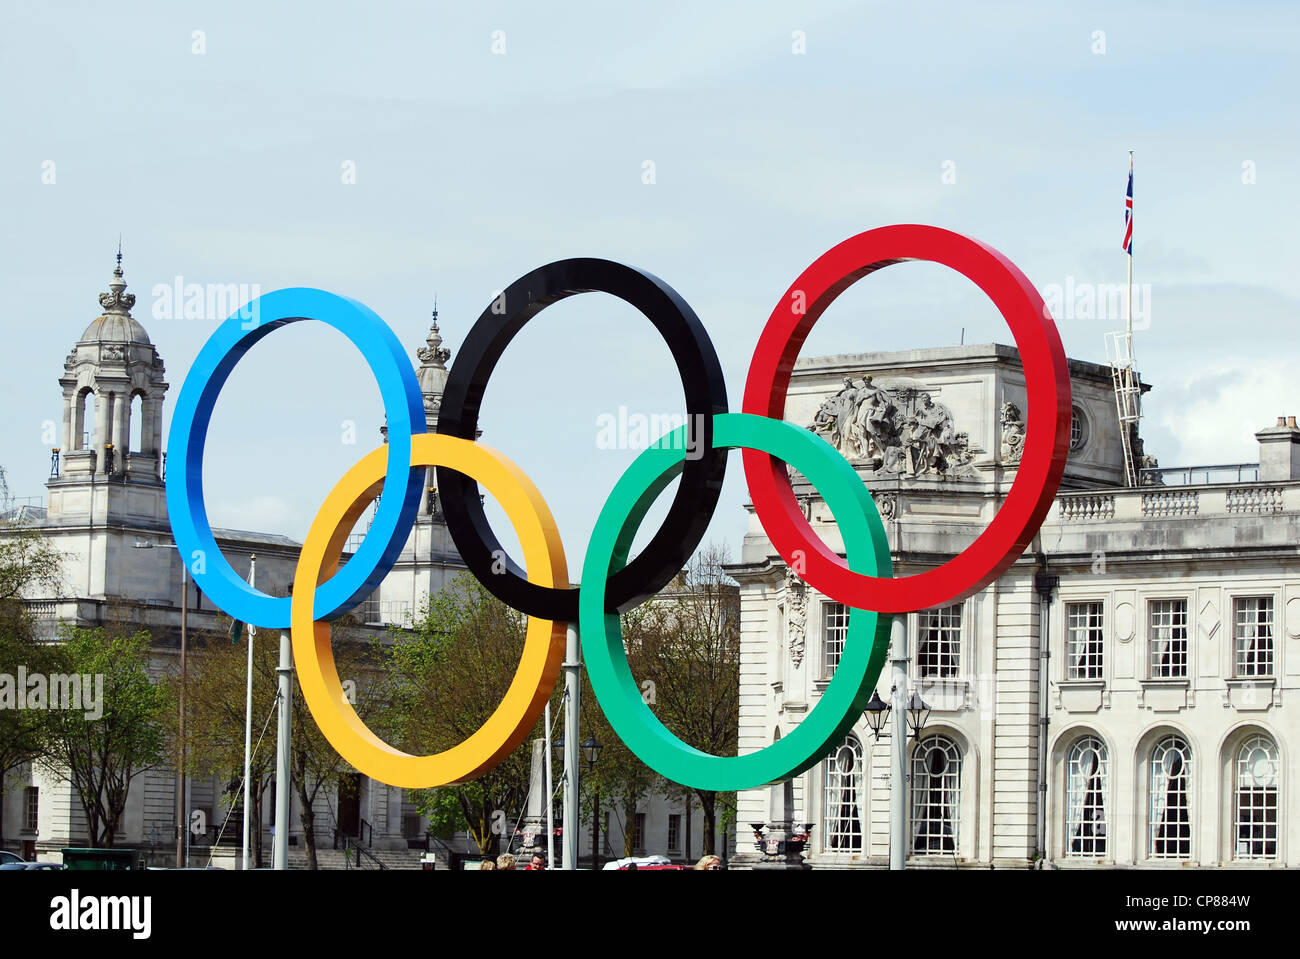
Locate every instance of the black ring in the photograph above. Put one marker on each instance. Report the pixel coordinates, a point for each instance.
(701, 479)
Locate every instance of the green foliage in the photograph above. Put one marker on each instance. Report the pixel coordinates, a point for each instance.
(29, 564)
(215, 691)
(446, 676)
(100, 756)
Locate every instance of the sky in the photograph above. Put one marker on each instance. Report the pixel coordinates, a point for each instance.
(394, 152)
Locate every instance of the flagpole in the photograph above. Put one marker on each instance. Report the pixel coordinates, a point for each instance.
(248, 712)
(1128, 327)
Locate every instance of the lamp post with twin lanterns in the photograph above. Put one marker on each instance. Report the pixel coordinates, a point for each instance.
(913, 715)
(590, 752)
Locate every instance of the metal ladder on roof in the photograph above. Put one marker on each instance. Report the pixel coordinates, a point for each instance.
(1128, 398)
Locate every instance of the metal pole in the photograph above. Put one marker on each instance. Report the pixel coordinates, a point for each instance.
(898, 754)
(550, 792)
(572, 663)
(595, 830)
(280, 855)
(1128, 327)
(248, 714)
(182, 824)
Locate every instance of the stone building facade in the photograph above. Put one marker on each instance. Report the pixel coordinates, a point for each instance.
(1122, 696)
(106, 511)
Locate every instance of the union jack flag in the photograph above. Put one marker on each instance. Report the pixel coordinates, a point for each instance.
(1128, 212)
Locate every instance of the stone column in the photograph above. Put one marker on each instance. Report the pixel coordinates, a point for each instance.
(121, 410)
(534, 843)
(69, 419)
(151, 428)
(103, 407)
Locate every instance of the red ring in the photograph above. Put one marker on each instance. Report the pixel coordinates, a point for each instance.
(1047, 430)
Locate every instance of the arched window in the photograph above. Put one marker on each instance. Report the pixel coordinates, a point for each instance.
(1086, 779)
(1171, 818)
(936, 796)
(844, 797)
(135, 439)
(1256, 800)
(85, 438)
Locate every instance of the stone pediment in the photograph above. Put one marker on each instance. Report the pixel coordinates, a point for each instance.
(892, 426)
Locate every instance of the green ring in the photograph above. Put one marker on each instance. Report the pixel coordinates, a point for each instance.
(843, 700)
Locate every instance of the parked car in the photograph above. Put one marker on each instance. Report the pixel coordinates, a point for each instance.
(657, 863)
(28, 866)
(8, 857)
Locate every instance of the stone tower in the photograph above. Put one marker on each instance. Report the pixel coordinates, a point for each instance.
(113, 389)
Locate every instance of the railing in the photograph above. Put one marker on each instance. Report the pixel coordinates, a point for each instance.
(363, 851)
(1254, 499)
(1174, 502)
(1088, 506)
(1201, 475)
(356, 844)
(1177, 502)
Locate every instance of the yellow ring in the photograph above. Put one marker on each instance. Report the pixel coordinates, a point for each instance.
(539, 666)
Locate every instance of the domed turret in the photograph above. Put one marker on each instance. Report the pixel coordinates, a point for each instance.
(112, 376)
(432, 373)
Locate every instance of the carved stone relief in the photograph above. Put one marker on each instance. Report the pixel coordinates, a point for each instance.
(894, 428)
(796, 615)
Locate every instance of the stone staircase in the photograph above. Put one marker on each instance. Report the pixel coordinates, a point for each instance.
(335, 859)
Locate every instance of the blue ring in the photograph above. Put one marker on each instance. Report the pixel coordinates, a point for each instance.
(403, 405)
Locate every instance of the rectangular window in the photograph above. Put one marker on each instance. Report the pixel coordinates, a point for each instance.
(31, 808)
(675, 833)
(938, 651)
(1168, 638)
(1083, 640)
(638, 832)
(835, 626)
(1253, 623)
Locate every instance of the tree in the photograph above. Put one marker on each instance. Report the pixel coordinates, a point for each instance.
(689, 648)
(100, 755)
(216, 688)
(313, 761)
(619, 779)
(28, 563)
(446, 676)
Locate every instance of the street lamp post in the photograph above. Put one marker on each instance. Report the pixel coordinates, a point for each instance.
(182, 824)
(573, 692)
(913, 713)
(590, 752)
(898, 756)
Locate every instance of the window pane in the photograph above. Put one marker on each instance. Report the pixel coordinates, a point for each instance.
(1170, 813)
(843, 798)
(1168, 639)
(938, 653)
(1083, 640)
(1085, 793)
(835, 626)
(936, 796)
(1254, 636)
(1257, 800)
(32, 808)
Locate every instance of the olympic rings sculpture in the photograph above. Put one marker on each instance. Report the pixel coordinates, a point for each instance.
(540, 587)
